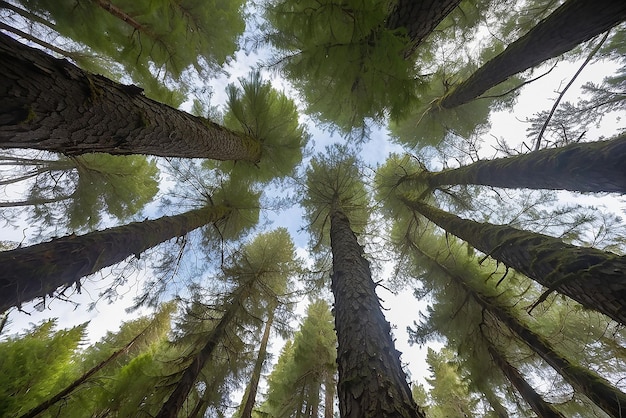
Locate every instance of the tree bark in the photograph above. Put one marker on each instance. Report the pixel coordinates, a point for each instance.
(574, 22)
(329, 395)
(581, 167)
(258, 367)
(596, 279)
(52, 105)
(418, 18)
(494, 402)
(371, 380)
(38, 270)
(542, 408)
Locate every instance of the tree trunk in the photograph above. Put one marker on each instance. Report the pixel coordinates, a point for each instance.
(542, 408)
(494, 402)
(258, 367)
(418, 18)
(329, 395)
(52, 105)
(174, 403)
(596, 279)
(574, 22)
(582, 167)
(40, 269)
(371, 380)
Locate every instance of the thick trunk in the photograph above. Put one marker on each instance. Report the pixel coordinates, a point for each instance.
(418, 18)
(371, 380)
(574, 22)
(542, 408)
(175, 402)
(50, 104)
(38, 270)
(258, 367)
(581, 167)
(606, 396)
(594, 278)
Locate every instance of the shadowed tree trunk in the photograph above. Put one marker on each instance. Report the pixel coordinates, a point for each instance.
(52, 105)
(574, 22)
(542, 408)
(582, 167)
(596, 279)
(38, 270)
(250, 395)
(371, 380)
(494, 402)
(329, 395)
(418, 18)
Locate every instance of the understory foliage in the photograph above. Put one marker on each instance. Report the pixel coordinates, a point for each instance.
(519, 275)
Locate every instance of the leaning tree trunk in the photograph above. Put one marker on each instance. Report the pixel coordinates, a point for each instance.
(596, 279)
(418, 18)
(494, 402)
(542, 408)
(574, 22)
(175, 402)
(52, 105)
(38, 270)
(582, 167)
(250, 394)
(371, 380)
(601, 392)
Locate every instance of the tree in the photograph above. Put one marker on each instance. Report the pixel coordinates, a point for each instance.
(576, 21)
(582, 167)
(589, 276)
(55, 106)
(260, 271)
(41, 269)
(371, 380)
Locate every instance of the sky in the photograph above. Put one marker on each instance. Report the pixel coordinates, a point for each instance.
(401, 309)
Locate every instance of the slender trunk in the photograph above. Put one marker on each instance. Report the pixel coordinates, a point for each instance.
(371, 380)
(597, 389)
(418, 18)
(36, 40)
(258, 367)
(40, 269)
(329, 395)
(596, 279)
(574, 22)
(542, 408)
(35, 201)
(52, 105)
(174, 403)
(76, 383)
(494, 402)
(198, 409)
(582, 167)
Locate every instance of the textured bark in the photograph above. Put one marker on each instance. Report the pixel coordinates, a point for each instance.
(596, 279)
(583, 167)
(50, 104)
(253, 386)
(542, 408)
(574, 22)
(418, 18)
(39, 270)
(175, 402)
(329, 395)
(371, 380)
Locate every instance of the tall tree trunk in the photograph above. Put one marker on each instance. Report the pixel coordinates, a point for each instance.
(52, 105)
(542, 408)
(574, 22)
(596, 279)
(419, 18)
(329, 395)
(494, 402)
(371, 380)
(38, 270)
(258, 367)
(175, 402)
(601, 392)
(582, 167)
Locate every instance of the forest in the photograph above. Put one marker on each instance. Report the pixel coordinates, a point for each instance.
(312, 208)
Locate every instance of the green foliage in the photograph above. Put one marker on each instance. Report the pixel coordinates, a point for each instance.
(344, 61)
(334, 182)
(258, 110)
